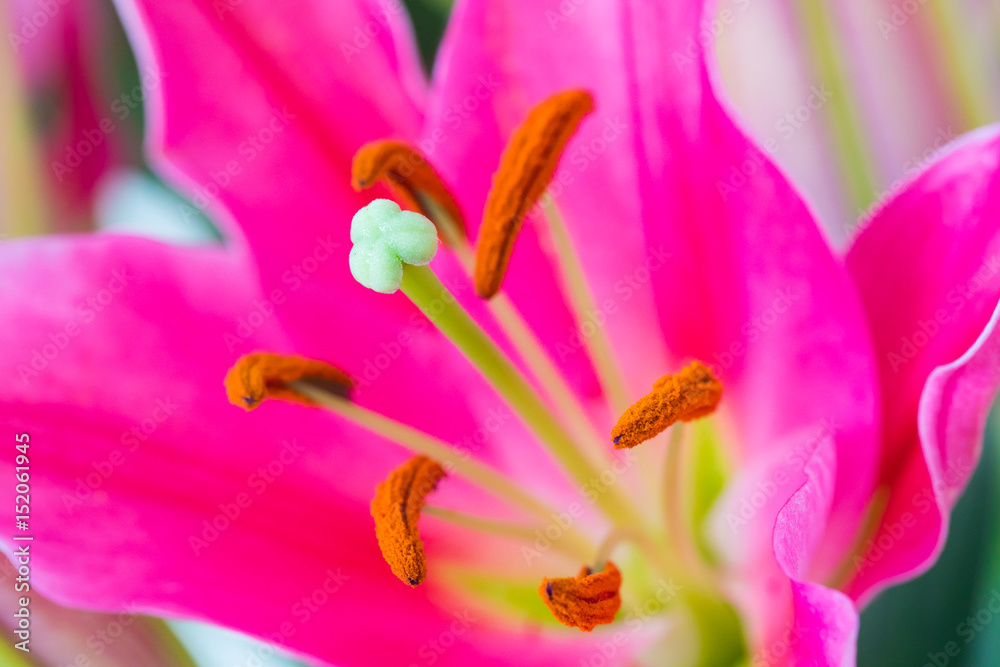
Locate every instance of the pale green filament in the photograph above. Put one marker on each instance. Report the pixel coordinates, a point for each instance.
(440, 306)
(653, 552)
(419, 442)
(678, 532)
(969, 83)
(526, 343)
(569, 544)
(582, 301)
(386, 237)
(851, 143)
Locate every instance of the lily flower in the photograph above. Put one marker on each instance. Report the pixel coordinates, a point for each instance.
(836, 403)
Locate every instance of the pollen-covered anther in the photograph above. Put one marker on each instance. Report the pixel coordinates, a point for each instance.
(526, 168)
(586, 600)
(396, 510)
(692, 393)
(261, 375)
(411, 178)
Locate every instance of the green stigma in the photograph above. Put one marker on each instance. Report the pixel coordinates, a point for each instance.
(386, 237)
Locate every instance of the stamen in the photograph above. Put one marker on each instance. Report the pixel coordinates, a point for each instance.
(569, 544)
(526, 168)
(396, 510)
(582, 302)
(586, 600)
(412, 178)
(380, 229)
(261, 375)
(692, 393)
(419, 442)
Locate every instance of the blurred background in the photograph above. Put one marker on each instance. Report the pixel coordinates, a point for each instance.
(854, 97)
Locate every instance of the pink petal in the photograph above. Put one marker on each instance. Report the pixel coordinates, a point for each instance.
(489, 73)
(769, 526)
(62, 636)
(941, 236)
(306, 103)
(753, 286)
(274, 169)
(824, 630)
(149, 489)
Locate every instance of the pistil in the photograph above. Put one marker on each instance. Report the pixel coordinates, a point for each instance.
(433, 299)
(418, 442)
(408, 173)
(391, 251)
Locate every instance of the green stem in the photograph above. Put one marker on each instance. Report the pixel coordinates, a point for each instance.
(528, 347)
(440, 306)
(850, 143)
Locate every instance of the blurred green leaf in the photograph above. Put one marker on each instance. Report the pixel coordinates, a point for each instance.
(916, 624)
(429, 20)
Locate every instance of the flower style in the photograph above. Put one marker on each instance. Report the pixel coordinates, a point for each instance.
(855, 388)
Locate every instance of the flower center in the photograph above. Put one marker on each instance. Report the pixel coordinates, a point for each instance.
(391, 252)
